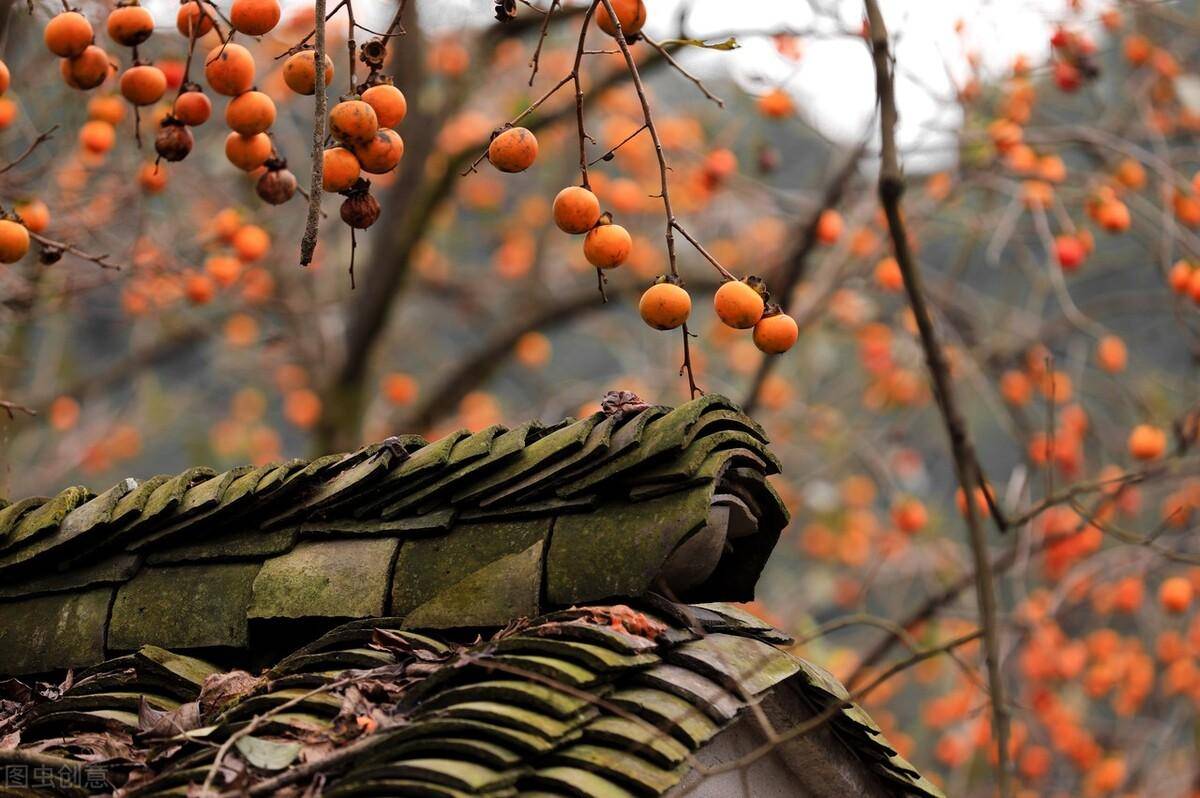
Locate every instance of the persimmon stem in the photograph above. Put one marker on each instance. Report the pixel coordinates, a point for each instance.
(682, 71)
(351, 46)
(535, 62)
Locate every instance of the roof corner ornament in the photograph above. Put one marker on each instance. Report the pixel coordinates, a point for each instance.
(621, 403)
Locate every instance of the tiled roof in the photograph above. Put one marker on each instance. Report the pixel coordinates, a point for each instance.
(469, 530)
(485, 579)
(600, 701)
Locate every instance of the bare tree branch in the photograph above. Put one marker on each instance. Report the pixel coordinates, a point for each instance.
(967, 471)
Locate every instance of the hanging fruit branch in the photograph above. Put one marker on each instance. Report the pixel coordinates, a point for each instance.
(665, 305)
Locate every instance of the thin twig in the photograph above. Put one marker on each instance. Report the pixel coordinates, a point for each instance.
(12, 408)
(37, 142)
(63, 246)
(679, 68)
(608, 156)
(537, 53)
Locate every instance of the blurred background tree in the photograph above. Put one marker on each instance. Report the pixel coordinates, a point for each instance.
(1050, 156)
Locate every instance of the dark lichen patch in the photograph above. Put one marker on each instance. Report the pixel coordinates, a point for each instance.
(59, 631)
(185, 607)
(493, 595)
(619, 549)
(428, 566)
(325, 579)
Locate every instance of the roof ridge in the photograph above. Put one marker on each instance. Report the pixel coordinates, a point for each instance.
(468, 530)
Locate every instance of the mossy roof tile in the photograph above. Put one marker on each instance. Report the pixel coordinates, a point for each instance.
(148, 609)
(11, 514)
(428, 566)
(331, 579)
(48, 516)
(622, 767)
(57, 631)
(579, 782)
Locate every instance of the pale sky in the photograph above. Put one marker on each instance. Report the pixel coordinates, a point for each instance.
(833, 81)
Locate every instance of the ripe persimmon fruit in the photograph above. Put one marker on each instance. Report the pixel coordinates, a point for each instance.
(5, 77)
(353, 122)
(1069, 251)
(888, 275)
(143, 84)
(607, 246)
(829, 226)
(382, 153)
(250, 113)
(630, 13)
(909, 515)
(247, 152)
(341, 169)
(776, 333)
(87, 70)
(109, 108)
(1113, 216)
(8, 112)
(229, 69)
(68, 34)
(199, 289)
(192, 108)
(1111, 354)
(514, 150)
(738, 305)
(1147, 442)
(254, 17)
(1180, 276)
(251, 243)
(776, 104)
(1175, 594)
(129, 25)
(34, 215)
(665, 306)
(576, 210)
(389, 103)
(300, 72)
(223, 269)
(14, 241)
(97, 136)
(152, 177)
(193, 19)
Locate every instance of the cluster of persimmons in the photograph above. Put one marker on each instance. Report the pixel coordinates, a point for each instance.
(665, 305)
(362, 123)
